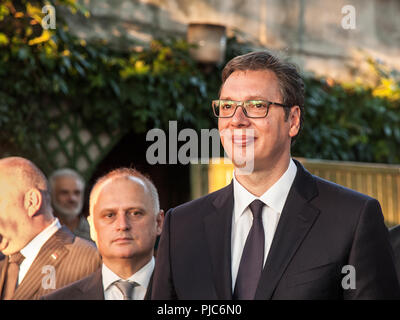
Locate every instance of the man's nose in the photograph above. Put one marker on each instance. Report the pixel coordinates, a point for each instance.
(72, 197)
(239, 119)
(122, 222)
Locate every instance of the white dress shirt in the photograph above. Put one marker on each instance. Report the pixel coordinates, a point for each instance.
(31, 250)
(242, 220)
(142, 277)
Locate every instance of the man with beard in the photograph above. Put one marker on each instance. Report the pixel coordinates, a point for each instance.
(67, 191)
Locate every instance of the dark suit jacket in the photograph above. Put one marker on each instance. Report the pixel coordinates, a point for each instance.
(322, 228)
(395, 240)
(72, 258)
(89, 288)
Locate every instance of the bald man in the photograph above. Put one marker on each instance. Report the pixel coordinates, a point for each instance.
(41, 256)
(125, 220)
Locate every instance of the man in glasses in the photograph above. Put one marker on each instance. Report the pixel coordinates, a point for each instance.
(276, 232)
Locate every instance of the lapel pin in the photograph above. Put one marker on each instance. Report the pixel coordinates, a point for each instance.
(54, 256)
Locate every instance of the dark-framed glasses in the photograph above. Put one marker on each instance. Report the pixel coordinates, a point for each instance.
(251, 108)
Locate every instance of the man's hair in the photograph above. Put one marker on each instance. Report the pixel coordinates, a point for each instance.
(291, 84)
(65, 172)
(120, 173)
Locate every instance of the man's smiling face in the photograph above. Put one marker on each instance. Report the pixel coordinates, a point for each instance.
(270, 136)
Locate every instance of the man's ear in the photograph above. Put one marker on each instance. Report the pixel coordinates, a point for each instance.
(93, 233)
(294, 121)
(160, 221)
(33, 201)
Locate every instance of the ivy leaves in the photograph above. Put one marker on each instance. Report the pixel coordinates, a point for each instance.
(147, 88)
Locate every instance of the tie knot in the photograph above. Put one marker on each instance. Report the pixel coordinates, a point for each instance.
(256, 208)
(126, 288)
(16, 258)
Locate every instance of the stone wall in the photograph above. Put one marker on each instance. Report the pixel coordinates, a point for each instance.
(309, 30)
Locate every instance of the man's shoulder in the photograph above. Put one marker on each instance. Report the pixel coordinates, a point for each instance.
(66, 237)
(77, 290)
(394, 234)
(202, 204)
(334, 190)
(84, 244)
(80, 249)
(324, 189)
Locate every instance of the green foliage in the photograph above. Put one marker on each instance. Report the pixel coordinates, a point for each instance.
(107, 89)
(349, 124)
(42, 69)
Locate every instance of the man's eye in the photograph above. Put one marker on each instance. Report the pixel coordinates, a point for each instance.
(226, 106)
(260, 105)
(109, 215)
(135, 212)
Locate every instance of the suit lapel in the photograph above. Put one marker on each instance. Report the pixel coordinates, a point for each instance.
(93, 288)
(52, 253)
(296, 220)
(149, 288)
(218, 226)
(3, 264)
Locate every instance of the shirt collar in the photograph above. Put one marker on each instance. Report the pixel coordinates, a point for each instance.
(142, 276)
(32, 249)
(274, 197)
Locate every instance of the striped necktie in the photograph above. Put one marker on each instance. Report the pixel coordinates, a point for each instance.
(11, 280)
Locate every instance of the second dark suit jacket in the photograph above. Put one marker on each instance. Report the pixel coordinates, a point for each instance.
(323, 227)
(89, 288)
(395, 240)
(71, 257)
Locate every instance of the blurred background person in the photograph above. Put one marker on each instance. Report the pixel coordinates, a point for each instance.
(67, 196)
(41, 255)
(125, 220)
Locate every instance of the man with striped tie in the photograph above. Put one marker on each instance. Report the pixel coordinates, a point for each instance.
(40, 255)
(125, 220)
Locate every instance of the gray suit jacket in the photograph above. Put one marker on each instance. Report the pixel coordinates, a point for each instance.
(71, 257)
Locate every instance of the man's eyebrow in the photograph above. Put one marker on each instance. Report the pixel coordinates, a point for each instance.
(247, 98)
(125, 209)
(255, 98)
(108, 210)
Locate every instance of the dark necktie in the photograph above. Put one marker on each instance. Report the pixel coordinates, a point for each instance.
(126, 288)
(251, 263)
(12, 275)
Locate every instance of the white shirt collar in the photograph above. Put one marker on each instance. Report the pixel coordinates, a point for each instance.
(274, 197)
(31, 250)
(142, 276)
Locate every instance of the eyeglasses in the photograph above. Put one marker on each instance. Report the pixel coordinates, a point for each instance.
(251, 108)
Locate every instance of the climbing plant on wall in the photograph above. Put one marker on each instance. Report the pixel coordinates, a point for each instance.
(47, 75)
